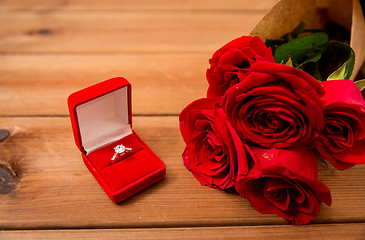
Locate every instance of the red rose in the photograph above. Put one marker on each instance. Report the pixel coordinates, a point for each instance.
(232, 62)
(284, 182)
(214, 152)
(276, 106)
(342, 142)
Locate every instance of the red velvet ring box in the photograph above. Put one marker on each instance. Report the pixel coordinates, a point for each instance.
(101, 119)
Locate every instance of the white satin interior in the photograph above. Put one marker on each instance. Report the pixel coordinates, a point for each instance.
(104, 120)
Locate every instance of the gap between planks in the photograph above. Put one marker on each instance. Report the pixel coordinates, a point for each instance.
(318, 231)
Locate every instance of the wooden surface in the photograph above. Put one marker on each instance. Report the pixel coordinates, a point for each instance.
(49, 49)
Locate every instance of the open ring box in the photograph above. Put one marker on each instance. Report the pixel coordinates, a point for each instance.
(101, 119)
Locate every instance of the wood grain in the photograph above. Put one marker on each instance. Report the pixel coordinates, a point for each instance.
(120, 32)
(35, 84)
(166, 65)
(49, 49)
(355, 231)
(130, 5)
(55, 190)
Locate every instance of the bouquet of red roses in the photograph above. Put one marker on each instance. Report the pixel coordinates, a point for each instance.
(266, 121)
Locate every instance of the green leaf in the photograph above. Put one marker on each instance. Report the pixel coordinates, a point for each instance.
(361, 84)
(313, 58)
(303, 49)
(345, 71)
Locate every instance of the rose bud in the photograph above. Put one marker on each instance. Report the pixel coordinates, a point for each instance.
(342, 142)
(214, 152)
(284, 182)
(232, 62)
(276, 106)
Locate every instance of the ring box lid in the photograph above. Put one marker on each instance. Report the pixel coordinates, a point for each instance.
(101, 114)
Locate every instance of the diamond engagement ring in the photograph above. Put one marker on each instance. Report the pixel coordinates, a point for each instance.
(120, 149)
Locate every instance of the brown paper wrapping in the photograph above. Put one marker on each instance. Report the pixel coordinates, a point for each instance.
(287, 14)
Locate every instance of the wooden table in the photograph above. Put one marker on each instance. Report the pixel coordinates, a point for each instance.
(49, 49)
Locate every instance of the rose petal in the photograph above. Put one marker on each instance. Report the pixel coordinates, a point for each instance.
(353, 155)
(279, 86)
(231, 62)
(232, 57)
(190, 112)
(276, 192)
(343, 92)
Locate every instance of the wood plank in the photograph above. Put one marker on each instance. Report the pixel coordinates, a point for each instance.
(321, 231)
(250, 5)
(55, 190)
(115, 32)
(35, 84)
